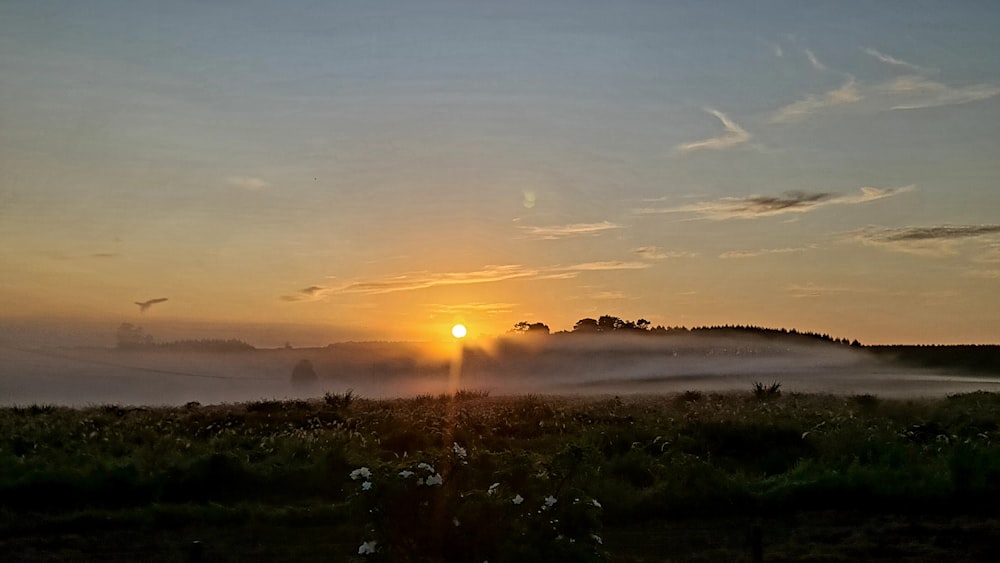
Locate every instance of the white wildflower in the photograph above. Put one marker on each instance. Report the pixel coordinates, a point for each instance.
(597, 539)
(550, 501)
(493, 489)
(405, 474)
(367, 548)
(456, 522)
(425, 466)
(361, 472)
(518, 499)
(366, 486)
(459, 450)
(435, 479)
(595, 503)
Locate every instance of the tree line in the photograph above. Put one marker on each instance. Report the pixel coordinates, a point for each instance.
(134, 337)
(610, 324)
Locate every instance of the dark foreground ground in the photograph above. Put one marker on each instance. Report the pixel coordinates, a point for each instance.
(685, 477)
(802, 536)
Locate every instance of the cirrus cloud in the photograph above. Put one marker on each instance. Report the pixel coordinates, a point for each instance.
(412, 281)
(571, 230)
(937, 240)
(765, 206)
(734, 135)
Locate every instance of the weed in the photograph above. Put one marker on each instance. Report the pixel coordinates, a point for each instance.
(762, 391)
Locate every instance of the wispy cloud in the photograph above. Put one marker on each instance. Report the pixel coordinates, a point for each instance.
(760, 252)
(847, 93)
(811, 290)
(657, 253)
(246, 183)
(983, 274)
(889, 59)
(479, 308)
(813, 61)
(734, 135)
(920, 92)
(766, 206)
(606, 295)
(601, 266)
(940, 240)
(572, 230)
(412, 281)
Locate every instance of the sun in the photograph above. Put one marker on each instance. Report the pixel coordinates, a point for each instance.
(459, 331)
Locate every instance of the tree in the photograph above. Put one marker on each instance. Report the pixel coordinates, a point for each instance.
(587, 325)
(530, 329)
(609, 323)
(129, 335)
(303, 373)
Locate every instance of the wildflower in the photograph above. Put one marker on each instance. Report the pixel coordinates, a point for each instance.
(425, 466)
(597, 539)
(367, 548)
(405, 474)
(435, 479)
(459, 450)
(493, 489)
(456, 522)
(518, 499)
(550, 501)
(361, 472)
(595, 503)
(366, 486)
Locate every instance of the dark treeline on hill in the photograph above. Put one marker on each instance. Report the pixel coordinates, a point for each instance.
(132, 337)
(609, 324)
(974, 358)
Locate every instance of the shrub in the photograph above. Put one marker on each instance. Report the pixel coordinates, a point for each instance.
(763, 391)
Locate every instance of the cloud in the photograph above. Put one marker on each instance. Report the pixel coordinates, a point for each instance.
(105, 255)
(922, 93)
(572, 230)
(766, 206)
(482, 308)
(761, 252)
(814, 61)
(810, 290)
(940, 240)
(983, 274)
(733, 136)
(488, 274)
(888, 59)
(602, 266)
(246, 183)
(606, 295)
(657, 253)
(846, 94)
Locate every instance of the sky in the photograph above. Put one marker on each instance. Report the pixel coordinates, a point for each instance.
(379, 170)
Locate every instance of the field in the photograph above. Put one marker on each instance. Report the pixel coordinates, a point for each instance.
(682, 477)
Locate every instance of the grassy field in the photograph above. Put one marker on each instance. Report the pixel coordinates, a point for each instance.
(688, 477)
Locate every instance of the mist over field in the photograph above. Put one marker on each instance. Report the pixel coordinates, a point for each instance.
(580, 365)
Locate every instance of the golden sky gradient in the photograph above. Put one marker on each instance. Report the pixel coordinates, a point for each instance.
(383, 170)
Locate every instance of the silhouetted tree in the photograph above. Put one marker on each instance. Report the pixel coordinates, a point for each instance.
(586, 325)
(303, 373)
(609, 323)
(530, 329)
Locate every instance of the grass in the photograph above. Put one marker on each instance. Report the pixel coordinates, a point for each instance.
(726, 462)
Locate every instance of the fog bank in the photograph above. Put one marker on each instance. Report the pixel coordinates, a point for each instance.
(573, 366)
